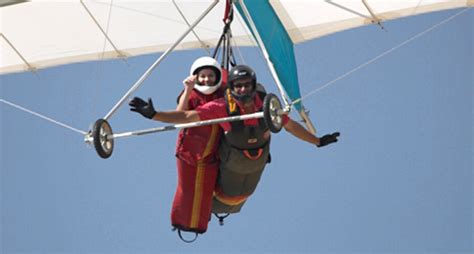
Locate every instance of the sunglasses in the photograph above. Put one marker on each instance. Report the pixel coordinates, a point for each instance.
(247, 85)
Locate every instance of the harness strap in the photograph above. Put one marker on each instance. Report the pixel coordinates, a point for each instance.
(221, 218)
(182, 238)
(232, 109)
(253, 157)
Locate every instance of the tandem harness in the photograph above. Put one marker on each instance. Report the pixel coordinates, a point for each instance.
(243, 152)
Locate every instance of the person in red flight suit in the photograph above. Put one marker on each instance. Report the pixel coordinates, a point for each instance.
(196, 150)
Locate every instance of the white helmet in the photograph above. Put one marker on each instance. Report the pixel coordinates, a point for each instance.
(207, 62)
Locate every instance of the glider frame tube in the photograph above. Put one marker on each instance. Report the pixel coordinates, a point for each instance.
(273, 71)
(89, 139)
(272, 111)
(102, 136)
(265, 54)
(158, 61)
(188, 125)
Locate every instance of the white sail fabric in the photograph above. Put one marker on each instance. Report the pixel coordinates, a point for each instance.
(305, 20)
(44, 33)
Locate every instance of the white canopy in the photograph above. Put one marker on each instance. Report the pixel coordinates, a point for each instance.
(44, 33)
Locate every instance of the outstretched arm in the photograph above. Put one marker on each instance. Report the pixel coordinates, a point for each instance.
(187, 116)
(147, 110)
(302, 133)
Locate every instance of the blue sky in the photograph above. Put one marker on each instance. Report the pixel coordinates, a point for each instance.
(399, 180)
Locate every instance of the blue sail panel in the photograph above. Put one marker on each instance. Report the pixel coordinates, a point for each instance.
(277, 42)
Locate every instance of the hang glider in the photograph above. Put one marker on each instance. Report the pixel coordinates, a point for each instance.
(40, 34)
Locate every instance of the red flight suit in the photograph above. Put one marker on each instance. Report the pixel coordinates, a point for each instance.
(197, 164)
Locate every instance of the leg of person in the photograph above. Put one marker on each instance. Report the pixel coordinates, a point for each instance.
(237, 180)
(233, 190)
(192, 202)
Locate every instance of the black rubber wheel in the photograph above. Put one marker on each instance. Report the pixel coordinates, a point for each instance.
(103, 140)
(271, 106)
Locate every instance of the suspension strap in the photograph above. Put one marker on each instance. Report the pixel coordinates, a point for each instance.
(228, 58)
(229, 12)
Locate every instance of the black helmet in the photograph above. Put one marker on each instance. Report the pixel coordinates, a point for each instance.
(241, 72)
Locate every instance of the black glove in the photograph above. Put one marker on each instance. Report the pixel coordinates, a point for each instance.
(142, 107)
(328, 139)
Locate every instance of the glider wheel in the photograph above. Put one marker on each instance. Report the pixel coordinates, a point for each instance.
(102, 138)
(271, 107)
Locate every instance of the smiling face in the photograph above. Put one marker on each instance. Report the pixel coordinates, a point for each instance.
(206, 77)
(242, 83)
(243, 86)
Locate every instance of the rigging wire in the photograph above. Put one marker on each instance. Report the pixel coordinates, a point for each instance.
(43, 117)
(234, 46)
(99, 66)
(249, 36)
(330, 83)
(203, 45)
